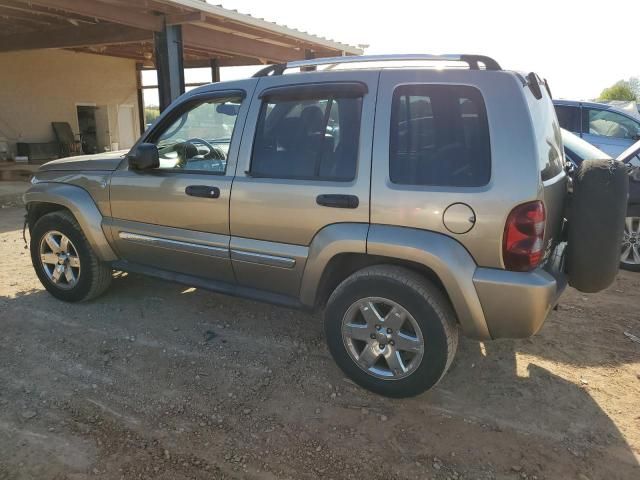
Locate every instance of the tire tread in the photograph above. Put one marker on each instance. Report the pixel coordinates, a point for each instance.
(424, 288)
(101, 273)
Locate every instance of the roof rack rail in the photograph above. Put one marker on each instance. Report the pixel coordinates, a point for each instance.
(473, 61)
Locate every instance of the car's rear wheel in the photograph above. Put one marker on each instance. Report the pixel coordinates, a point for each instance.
(64, 261)
(391, 330)
(630, 254)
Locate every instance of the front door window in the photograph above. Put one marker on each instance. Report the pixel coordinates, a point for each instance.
(199, 138)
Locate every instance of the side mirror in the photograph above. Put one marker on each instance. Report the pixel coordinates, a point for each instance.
(144, 157)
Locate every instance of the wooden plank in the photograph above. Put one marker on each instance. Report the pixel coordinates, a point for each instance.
(213, 40)
(14, 15)
(179, 19)
(105, 12)
(74, 37)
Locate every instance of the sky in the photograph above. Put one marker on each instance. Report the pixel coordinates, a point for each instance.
(577, 45)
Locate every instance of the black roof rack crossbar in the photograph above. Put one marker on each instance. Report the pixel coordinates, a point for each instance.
(474, 62)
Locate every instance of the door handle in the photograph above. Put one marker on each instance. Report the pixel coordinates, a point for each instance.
(338, 201)
(204, 191)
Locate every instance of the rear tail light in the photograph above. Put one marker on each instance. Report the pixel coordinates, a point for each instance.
(523, 242)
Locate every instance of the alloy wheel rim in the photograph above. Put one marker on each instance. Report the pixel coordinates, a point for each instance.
(631, 241)
(60, 260)
(382, 338)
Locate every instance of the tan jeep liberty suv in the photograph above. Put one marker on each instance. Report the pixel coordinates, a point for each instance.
(411, 197)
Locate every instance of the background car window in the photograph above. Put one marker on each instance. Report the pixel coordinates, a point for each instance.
(199, 139)
(439, 137)
(313, 139)
(610, 124)
(569, 118)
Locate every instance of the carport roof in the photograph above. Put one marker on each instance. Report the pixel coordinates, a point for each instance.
(124, 28)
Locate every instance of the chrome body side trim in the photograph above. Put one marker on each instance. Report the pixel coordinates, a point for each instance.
(263, 259)
(187, 247)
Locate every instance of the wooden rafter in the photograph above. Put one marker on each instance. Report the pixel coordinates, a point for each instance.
(70, 37)
(202, 37)
(104, 12)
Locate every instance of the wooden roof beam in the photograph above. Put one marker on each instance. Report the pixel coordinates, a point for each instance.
(180, 18)
(104, 12)
(207, 39)
(29, 17)
(74, 37)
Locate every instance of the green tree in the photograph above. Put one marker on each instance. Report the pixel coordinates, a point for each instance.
(151, 113)
(634, 83)
(622, 90)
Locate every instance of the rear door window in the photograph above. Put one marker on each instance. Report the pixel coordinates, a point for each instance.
(439, 136)
(311, 138)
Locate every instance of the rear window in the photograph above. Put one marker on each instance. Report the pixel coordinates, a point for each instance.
(439, 137)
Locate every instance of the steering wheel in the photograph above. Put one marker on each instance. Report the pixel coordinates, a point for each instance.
(214, 153)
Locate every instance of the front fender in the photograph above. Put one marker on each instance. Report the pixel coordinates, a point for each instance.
(447, 258)
(83, 208)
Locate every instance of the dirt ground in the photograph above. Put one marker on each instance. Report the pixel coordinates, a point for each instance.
(160, 381)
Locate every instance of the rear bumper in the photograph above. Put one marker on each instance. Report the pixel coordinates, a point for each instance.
(516, 304)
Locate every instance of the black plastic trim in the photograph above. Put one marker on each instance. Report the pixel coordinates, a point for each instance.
(534, 85)
(474, 60)
(276, 69)
(212, 285)
(338, 201)
(204, 191)
(304, 91)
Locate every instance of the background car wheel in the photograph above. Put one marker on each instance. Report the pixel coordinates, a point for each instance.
(630, 254)
(391, 330)
(64, 261)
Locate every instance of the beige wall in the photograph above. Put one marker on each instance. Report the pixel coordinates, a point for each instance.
(41, 86)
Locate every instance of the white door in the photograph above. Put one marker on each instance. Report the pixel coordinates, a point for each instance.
(126, 127)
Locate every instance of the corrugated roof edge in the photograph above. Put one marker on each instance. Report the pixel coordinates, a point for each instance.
(264, 24)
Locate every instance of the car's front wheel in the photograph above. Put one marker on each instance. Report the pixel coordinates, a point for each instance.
(64, 261)
(391, 330)
(630, 255)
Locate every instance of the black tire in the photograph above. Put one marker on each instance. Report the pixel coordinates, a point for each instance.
(424, 302)
(635, 223)
(95, 276)
(596, 224)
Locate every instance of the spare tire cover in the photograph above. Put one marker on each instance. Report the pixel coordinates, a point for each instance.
(596, 224)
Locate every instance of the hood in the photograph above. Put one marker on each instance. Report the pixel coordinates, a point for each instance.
(101, 161)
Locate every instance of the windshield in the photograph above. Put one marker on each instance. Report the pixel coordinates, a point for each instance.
(578, 150)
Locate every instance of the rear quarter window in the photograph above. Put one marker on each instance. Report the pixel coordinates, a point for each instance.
(439, 136)
(548, 135)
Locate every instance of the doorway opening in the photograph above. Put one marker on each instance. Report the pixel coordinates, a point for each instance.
(87, 127)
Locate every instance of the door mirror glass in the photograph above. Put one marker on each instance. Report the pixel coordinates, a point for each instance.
(144, 157)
